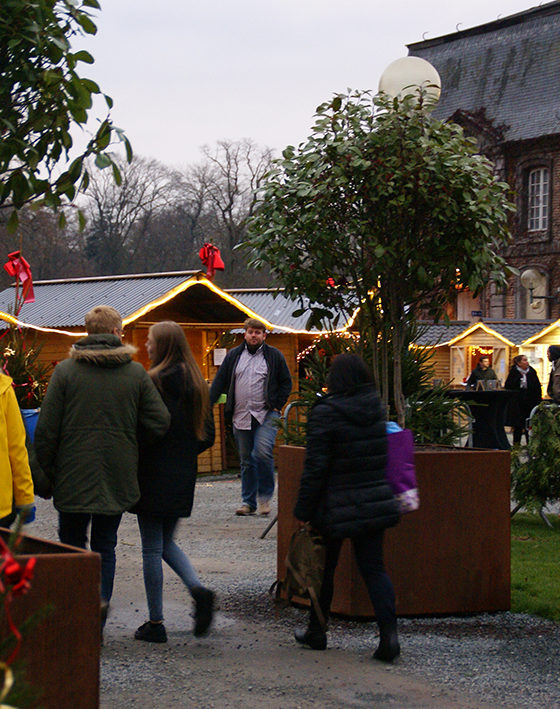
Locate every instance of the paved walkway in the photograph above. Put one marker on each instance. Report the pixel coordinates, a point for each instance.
(251, 660)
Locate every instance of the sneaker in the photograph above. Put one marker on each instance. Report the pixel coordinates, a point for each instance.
(245, 511)
(264, 509)
(204, 610)
(151, 633)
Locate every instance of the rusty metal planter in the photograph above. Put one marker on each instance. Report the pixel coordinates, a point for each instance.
(450, 556)
(61, 653)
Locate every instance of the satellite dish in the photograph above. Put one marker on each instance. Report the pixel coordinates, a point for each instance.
(405, 76)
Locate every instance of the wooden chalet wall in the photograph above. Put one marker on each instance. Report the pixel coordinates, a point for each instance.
(201, 337)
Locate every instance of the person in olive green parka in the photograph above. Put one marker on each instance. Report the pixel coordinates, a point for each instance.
(85, 439)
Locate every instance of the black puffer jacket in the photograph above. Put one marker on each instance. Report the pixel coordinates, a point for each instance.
(343, 490)
(167, 466)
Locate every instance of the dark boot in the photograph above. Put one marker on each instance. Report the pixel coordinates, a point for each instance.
(315, 639)
(204, 610)
(389, 647)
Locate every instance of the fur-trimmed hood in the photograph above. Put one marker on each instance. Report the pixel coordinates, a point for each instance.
(103, 350)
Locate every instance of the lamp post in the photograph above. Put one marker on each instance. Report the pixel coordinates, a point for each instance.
(531, 279)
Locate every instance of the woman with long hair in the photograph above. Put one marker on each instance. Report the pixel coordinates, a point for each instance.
(167, 475)
(344, 493)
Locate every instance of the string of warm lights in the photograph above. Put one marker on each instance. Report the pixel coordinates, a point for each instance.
(326, 336)
(181, 288)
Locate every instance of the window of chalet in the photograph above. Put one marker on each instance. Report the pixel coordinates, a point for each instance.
(538, 199)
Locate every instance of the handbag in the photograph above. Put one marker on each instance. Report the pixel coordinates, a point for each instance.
(401, 471)
(305, 566)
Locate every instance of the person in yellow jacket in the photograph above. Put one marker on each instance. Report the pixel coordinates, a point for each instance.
(16, 484)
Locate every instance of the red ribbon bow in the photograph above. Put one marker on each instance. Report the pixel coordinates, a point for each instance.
(15, 580)
(210, 257)
(19, 269)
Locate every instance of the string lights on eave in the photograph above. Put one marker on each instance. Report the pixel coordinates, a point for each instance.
(326, 336)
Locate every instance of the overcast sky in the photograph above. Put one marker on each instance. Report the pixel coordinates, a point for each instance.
(183, 74)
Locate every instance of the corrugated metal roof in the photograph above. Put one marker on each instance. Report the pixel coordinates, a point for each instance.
(274, 306)
(508, 67)
(64, 303)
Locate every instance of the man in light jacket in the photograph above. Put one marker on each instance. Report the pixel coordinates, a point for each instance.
(85, 439)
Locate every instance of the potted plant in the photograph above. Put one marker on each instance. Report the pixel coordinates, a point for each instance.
(387, 210)
(20, 361)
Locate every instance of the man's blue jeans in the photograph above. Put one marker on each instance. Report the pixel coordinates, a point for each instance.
(255, 459)
(72, 529)
(157, 544)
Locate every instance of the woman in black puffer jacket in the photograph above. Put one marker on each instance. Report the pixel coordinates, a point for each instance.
(344, 493)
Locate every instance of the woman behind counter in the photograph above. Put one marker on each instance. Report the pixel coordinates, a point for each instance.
(524, 379)
(167, 471)
(344, 493)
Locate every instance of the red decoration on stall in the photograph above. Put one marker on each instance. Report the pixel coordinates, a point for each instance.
(18, 268)
(211, 258)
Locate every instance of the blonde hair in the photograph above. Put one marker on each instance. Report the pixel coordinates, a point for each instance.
(171, 347)
(103, 319)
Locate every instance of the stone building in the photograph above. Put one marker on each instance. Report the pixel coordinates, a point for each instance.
(501, 82)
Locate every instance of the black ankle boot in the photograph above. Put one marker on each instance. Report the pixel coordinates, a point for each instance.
(315, 639)
(389, 647)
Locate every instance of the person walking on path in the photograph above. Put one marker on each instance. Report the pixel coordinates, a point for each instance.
(483, 372)
(16, 484)
(257, 382)
(344, 493)
(167, 474)
(86, 437)
(553, 388)
(524, 379)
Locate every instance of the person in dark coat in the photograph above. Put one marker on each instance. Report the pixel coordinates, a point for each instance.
(483, 372)
(524, 379)
(553, 388)
(167, 475)
(344, 493)
(86, 437)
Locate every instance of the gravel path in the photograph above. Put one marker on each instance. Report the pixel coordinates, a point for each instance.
(251, 660)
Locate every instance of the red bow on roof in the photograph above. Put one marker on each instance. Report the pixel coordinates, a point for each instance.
(210, 257)
(18, 267)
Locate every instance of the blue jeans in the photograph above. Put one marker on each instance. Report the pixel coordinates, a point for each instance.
(157, 544)
(255, 459)
(72, 529)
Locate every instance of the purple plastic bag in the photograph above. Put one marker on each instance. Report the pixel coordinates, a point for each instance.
(401, 472)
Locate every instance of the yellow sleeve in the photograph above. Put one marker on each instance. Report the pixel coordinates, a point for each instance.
(17, 452)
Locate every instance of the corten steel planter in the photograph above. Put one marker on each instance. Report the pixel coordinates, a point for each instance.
(61, 652)
(450, 556)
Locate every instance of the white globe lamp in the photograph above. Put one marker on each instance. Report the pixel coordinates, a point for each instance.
(407, 75)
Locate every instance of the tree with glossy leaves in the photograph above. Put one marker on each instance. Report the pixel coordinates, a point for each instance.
(42, 98)
(386, 207)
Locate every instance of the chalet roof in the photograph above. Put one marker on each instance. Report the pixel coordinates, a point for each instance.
(63, 303)
(512, 333)
(506, 70)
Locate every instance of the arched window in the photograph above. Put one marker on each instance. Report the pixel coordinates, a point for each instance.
(538, 192)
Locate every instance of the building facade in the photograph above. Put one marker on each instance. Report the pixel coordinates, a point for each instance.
(501, 83)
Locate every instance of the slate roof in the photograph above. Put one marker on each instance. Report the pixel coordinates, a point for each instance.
(516, 332)
(508, 67)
